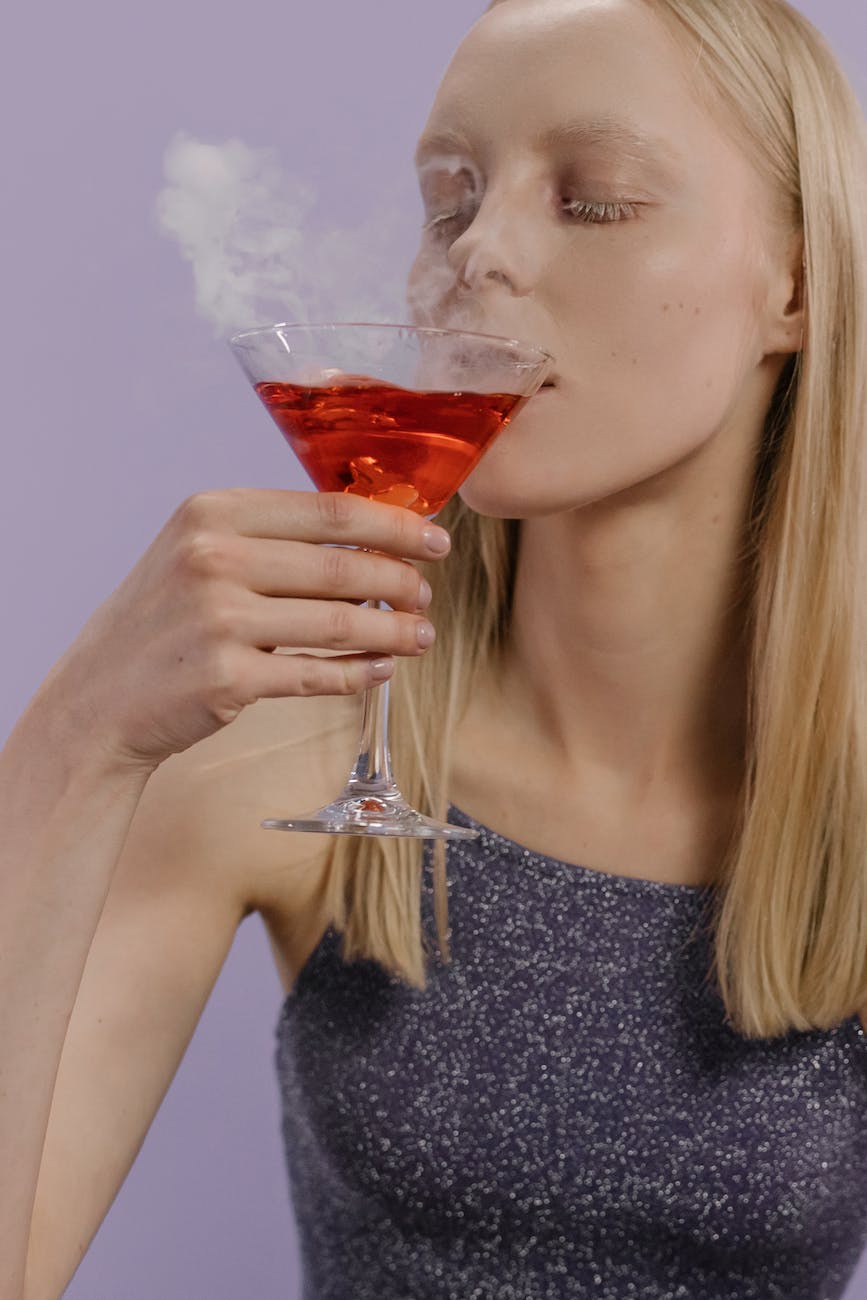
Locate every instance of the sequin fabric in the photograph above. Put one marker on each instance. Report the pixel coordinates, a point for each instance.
(564, 1112)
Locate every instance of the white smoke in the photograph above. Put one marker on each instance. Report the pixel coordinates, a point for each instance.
(244, 225)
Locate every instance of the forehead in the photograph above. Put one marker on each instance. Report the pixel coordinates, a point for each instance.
(528, 66)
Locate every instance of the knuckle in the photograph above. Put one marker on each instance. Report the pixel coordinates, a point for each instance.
(224, 620)
(403, 532)
(226, 713)
(203, 552)
(337, 510)
(340, 624)
(349, 680)
(410, 586)
(199, 510)
(221, 677)
(311, 676)
(335, 568)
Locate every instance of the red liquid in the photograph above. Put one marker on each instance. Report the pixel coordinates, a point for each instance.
(390, 444)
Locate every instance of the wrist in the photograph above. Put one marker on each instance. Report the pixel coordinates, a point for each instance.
(57, 731)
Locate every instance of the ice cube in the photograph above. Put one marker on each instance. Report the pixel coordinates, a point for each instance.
(380, 485)
(400, 494)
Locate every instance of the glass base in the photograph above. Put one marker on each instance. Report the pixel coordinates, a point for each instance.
(366, 812)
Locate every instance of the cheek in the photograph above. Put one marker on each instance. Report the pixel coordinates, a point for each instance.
(669, 328)
(653, 361)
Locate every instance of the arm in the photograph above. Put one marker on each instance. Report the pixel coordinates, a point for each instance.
(115, 916)
(148, 946)
(64, 816)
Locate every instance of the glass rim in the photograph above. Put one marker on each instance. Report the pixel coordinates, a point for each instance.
(235, 339)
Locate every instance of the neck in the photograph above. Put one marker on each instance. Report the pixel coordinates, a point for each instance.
(628, 654)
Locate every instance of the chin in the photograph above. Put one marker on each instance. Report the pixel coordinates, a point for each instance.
(517, 487)
(533, 472)
(518, 477)
(517, 499)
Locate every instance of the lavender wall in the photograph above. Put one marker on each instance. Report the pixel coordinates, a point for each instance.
(118, 403)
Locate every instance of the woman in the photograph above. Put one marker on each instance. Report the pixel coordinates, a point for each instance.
(638, 1069)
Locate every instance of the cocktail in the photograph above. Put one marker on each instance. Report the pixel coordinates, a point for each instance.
(397, 414)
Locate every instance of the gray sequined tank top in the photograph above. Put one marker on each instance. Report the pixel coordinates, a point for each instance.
(563, 1111)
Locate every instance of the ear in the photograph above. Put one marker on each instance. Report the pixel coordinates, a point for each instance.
(786, 302)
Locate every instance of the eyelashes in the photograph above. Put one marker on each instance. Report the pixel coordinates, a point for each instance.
(440, 225)
(579, 210)
(595, 214)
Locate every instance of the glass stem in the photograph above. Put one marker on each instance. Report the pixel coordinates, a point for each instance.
(372, 771)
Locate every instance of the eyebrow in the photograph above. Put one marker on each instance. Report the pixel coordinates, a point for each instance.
(597, 131)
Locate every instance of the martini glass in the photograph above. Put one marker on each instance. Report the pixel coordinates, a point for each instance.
(397, 414)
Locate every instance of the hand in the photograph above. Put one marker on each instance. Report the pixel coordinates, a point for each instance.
(184, 644)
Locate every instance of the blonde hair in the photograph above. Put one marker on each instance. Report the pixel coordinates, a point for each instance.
(790, 910)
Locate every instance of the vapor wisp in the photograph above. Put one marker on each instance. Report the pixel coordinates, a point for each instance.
(257, 257)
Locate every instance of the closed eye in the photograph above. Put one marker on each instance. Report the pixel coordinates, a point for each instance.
(599, 213)
(587, 213)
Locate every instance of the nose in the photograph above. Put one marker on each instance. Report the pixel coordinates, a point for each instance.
(500, 246)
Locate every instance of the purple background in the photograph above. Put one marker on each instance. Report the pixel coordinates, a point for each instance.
(119, 402)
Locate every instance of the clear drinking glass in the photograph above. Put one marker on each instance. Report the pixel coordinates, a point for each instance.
(398, 414)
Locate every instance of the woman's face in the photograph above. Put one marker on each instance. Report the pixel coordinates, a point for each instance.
(581, 197)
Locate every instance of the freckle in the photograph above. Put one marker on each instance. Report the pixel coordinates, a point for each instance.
(715, 519)
(698, 311)
(635, 361)
(709, 384)
(613, 356)
(666, 306)
(680, 305)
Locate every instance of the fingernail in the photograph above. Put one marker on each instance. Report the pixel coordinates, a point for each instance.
(425, 595)
(381, 669)
(436, 539)
(426, 635)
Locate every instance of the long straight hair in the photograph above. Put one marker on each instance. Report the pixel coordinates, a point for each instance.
(789, 917)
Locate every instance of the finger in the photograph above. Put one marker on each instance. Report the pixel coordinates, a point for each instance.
(277, 568)
(300, 674)
(332, 625)
(334, 517)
